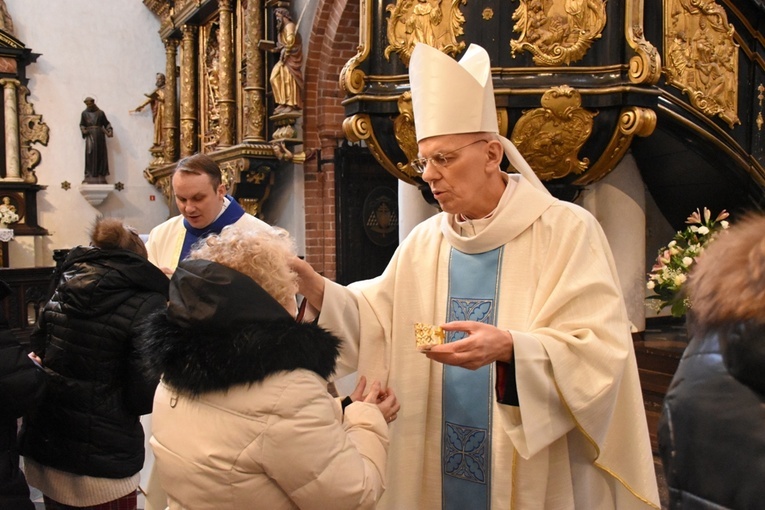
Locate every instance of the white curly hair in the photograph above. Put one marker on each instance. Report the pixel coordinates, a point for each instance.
(263, 255)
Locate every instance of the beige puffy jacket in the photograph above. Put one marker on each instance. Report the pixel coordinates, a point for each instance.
(280, 444)
(242, 418)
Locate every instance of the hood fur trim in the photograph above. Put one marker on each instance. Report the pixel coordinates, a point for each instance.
(195, 361)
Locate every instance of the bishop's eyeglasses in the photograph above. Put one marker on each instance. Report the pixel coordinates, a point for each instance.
(440, 159)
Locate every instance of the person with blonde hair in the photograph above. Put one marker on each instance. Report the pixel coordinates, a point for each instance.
(711, 435)
(242, 416)
(84, 445)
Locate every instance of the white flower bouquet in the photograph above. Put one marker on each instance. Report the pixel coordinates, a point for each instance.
(674, 261)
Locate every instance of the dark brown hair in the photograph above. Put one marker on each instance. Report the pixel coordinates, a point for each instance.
(112, 234)
(201, 164)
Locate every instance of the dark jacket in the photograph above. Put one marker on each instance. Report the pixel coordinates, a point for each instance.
(21, 386)
(221, 329)
(712, 429)
(88, 424)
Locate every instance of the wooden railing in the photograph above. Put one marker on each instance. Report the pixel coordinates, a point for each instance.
(31, 289)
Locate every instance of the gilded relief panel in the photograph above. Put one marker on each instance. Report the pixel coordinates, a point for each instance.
(550, 137)
(557, 31)
(436, 23)
(701, 57)
(209, 91)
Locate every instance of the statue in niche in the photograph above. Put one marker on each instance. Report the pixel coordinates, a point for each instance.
(157, 101)
(211, 128)
(95, 127)
(286, 77)
(6, 23)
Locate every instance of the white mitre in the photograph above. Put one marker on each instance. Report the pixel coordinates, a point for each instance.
(451, 97)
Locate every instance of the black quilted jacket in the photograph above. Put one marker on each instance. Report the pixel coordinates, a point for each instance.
(21, 385)
(88, 423)
(712, 429)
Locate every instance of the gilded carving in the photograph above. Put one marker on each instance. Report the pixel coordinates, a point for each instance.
(211, 95)
(633, 121)
(433, 22)
(557, 31)
(188, 91)
(404, 131)
(253, 103)
(226, 103)
(31, 130)
(359, 127)
(171, 135)
(351, 77)
(645, 66)
(181, 4)
(254, 111)
(188, 135)
(760, 97)
(550, 137)
(251, 206)
(163, 184)
(230, 171)
(701, 57)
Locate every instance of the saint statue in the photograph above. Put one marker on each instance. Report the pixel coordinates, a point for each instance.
(286, 76)
(95, 128)
(157, 101)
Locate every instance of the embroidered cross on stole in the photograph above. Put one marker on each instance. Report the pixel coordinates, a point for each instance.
(468, 394)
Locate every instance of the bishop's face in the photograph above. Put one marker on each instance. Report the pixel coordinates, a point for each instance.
(460, 185)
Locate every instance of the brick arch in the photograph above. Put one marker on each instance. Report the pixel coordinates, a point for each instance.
(333, 41)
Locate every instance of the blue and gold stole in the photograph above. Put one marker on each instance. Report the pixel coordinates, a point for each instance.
(230, 216)
(468, 394)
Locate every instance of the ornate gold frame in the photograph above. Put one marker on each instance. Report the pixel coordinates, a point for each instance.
(424, 21)
(557, 31)
(701, 58)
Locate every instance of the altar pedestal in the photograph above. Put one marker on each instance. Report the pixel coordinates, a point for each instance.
(96, 193)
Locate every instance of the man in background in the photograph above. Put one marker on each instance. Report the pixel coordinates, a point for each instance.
(205, 208)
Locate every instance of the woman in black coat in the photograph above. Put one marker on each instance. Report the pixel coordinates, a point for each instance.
(712, 429)
(85, 444)
(21, 385)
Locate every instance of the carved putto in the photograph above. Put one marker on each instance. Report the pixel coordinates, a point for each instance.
(550, 137)
(436, 23)
(701, 57)
(558, 31)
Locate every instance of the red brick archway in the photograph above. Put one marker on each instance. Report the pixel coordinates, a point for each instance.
(333, 41)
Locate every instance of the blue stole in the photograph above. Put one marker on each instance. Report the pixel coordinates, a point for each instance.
(231, 215)
(468, 395)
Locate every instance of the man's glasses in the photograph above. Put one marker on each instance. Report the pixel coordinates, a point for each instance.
(439, 159)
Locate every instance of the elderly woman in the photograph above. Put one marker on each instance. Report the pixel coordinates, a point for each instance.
(242, 417)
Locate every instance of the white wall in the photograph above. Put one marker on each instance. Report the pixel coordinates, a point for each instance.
(110, 50)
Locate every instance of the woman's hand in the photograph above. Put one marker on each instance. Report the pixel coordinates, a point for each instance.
(386, 401)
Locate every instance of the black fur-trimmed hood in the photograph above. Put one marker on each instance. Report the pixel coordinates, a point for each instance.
(194, 361)
(221, 329)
